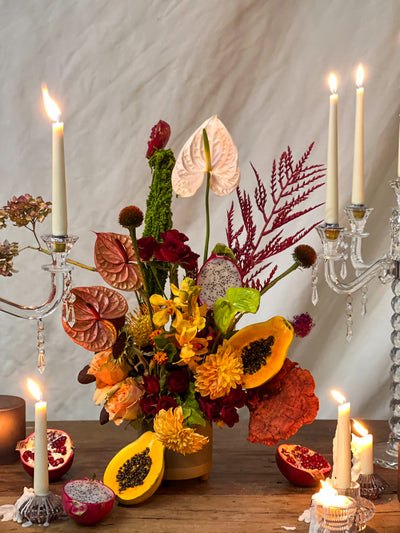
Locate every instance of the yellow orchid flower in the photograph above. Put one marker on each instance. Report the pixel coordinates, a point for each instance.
(161, 316)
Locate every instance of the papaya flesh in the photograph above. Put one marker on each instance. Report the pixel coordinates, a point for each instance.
(136, 471)
(263, 348)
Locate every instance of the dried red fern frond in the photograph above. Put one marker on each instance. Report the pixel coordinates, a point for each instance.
(290, 187)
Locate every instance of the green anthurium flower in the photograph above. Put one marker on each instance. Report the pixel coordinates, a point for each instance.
(237, 300)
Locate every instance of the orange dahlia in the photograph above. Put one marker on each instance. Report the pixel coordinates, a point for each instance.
(220, 372)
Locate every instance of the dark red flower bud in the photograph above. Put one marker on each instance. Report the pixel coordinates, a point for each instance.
(159, 137)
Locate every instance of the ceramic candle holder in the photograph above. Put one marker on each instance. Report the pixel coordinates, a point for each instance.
(12, 427)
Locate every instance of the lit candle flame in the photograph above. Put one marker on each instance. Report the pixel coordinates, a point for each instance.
(333, 83)
(327, 488)
(50, 105)
(360, 76)
(34, 390)
(338, 396)
(359, 428)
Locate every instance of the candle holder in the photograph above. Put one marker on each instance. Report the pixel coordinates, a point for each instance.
(386, 269)
(372, 486)
(365, 509)
(12, 427)
(39, 509)
(333, 518)
(60, 285)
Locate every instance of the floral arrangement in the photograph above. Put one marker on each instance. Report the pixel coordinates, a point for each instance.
(179, 359)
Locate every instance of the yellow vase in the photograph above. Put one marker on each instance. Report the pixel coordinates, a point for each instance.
(194, 465)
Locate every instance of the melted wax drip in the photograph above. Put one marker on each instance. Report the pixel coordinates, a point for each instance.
(314, 283)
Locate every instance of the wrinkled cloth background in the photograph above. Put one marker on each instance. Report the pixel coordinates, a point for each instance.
(116, 68)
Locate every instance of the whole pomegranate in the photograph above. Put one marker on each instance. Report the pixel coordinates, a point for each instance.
(60, 453)
(87, 501)
(300, 465)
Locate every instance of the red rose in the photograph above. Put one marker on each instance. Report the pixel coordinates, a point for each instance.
(211, 408)
(178, 381)
(146, 246)
(174, 235)
(174, 250)
(159, 137)
(230, 416)
(165, 402)
(148, 404)
(235, 398)
(151, 384)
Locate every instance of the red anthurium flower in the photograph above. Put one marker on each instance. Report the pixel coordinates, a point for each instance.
(116, 261)
(99, 313)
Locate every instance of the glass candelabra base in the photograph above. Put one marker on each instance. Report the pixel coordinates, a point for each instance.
(385, 455)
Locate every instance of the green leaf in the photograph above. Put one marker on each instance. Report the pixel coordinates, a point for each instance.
(237, 300)
(192, 413)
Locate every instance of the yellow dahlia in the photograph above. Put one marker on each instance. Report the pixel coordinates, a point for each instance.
(168, 426)
(140, 326)
(220, 372)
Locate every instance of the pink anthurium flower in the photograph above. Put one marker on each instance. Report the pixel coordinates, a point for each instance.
(191, 164)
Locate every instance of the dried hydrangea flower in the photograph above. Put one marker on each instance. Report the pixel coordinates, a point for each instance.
(3, 218)
(7, 252)
(25, 209)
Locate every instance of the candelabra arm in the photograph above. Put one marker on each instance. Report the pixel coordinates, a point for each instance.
(60, 273)
(382, 268)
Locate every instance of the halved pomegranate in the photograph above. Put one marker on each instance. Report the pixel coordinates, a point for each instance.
(59, 450)
(300, 465)
(87, 501)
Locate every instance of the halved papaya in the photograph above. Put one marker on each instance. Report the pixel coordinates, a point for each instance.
(263, 348)
(136, 471)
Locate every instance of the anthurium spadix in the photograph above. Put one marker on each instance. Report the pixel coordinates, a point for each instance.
(191, 164)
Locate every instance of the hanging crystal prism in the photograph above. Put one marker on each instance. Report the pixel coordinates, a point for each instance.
(40, 344)
(68, 300)
(314, 283)
(343, 269)
(349, 317)
(364, 300)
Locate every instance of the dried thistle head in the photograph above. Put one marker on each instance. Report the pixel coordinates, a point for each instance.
(26, 210)
(131, 216)
(302, 324)
(305, 255)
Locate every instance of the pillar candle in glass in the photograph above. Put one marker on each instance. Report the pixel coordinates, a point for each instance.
(12, 427)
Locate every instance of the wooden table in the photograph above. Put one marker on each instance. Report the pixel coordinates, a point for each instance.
(245, 491)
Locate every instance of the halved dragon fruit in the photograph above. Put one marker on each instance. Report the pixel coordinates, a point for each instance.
(216, 276)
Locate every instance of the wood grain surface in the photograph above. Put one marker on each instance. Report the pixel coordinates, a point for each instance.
(245, 491)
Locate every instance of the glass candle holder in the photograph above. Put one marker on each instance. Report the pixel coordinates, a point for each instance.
(338, 516)
(12, 427)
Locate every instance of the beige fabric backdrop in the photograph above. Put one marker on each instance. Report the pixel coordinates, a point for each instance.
(116, 68)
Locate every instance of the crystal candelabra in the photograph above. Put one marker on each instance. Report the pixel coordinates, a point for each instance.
(33, 508)
(60, 285)
(387, 269)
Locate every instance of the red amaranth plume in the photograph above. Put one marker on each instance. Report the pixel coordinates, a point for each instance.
(290, 186)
